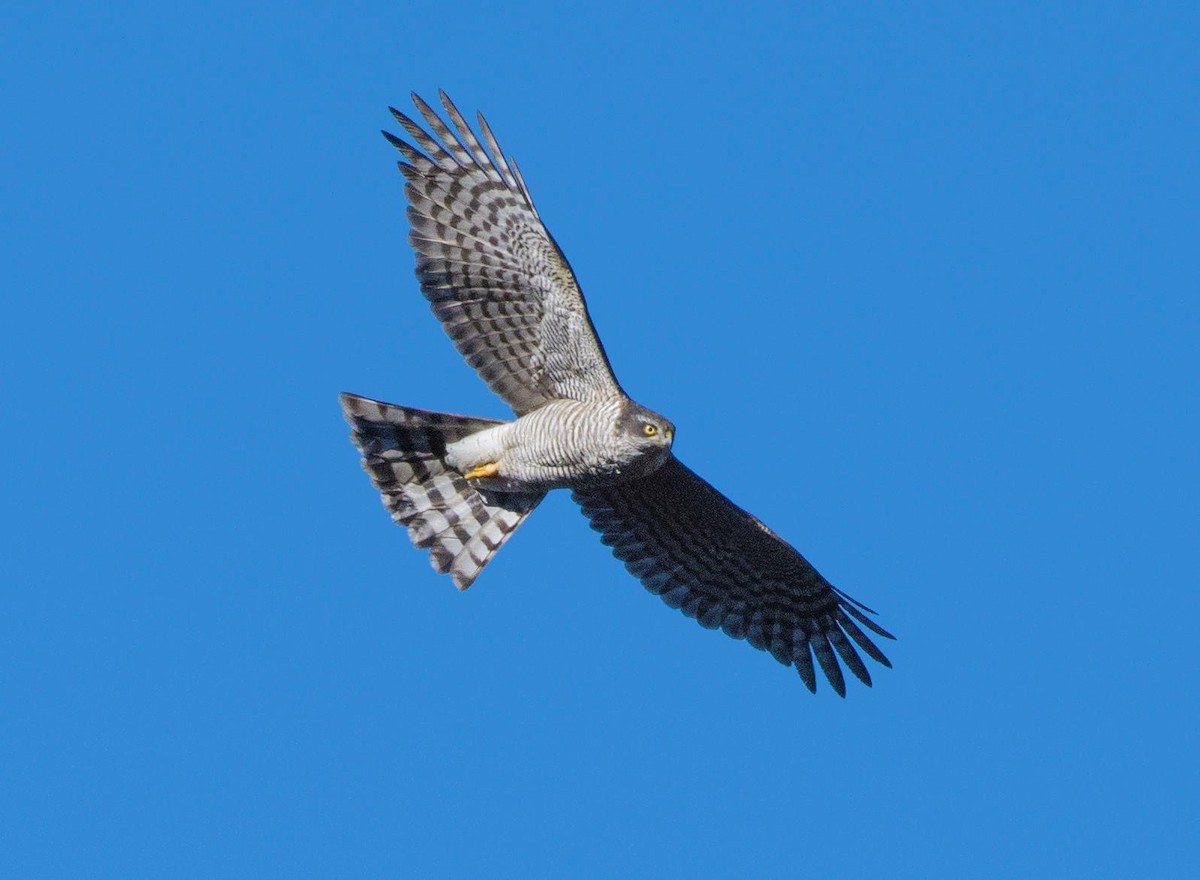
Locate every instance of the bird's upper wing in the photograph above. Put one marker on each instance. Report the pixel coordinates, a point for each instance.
(704, 555)
(493, 274)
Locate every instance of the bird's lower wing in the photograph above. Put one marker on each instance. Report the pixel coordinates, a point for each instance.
(702, 554)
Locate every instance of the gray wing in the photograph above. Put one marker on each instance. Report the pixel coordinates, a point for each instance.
(493, 274)
(704, 555)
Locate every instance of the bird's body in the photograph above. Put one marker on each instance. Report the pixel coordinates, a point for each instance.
(564, 444)
(509, 301)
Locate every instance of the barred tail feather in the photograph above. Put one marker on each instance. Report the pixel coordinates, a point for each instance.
(403, 452)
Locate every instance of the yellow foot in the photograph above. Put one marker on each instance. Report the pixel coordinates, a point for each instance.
(483, 470)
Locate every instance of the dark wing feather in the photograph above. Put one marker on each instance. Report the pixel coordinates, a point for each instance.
(704, 555)
(493, 274)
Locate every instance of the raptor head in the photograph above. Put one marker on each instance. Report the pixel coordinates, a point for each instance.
(646, 434)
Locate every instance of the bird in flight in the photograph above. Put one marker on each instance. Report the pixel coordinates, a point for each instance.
(505, 294)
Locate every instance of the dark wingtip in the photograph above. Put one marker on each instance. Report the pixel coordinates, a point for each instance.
(828, 661)
(845, 650)
(867, 622)
(853, 606)
(802, 658)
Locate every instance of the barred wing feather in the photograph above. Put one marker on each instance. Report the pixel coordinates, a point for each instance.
(493, 274)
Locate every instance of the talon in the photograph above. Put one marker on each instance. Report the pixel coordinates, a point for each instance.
(483, 470)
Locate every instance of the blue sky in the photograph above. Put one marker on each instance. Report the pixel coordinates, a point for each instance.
(919, 287)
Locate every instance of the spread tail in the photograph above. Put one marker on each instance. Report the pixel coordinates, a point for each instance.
(403, 452)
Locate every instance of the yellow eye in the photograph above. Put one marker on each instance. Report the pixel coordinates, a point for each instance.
(649, 430)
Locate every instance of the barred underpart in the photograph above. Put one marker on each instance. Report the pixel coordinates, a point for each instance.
(403, 452)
